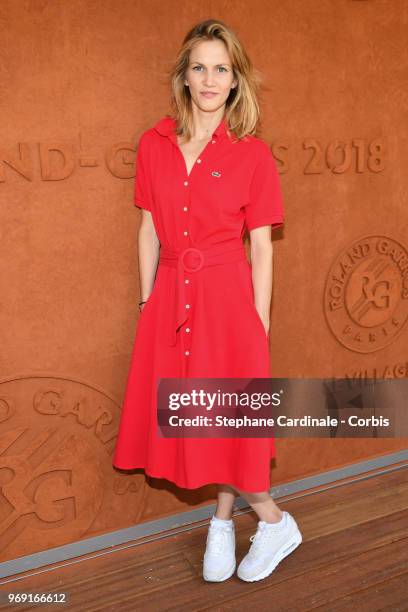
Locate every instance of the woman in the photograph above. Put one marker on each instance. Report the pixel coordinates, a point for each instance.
(201, 178)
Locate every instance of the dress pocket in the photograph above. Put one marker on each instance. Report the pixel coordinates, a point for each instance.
(152, 294)
(245, 277)
(145, 305)
(261, 322)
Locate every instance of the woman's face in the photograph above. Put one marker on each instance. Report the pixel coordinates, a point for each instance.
(209, 70)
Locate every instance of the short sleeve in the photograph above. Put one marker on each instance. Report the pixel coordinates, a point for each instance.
(142, 189)
(265, 206)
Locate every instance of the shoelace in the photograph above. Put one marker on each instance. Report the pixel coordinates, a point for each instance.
(216, 539)
(261, 540)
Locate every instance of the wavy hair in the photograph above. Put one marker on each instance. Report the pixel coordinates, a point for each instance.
(242, 109)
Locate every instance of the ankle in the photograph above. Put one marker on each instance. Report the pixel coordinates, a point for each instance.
(223, 517)
(272, 517)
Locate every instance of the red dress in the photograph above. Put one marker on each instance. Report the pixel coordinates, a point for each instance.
(199, 321)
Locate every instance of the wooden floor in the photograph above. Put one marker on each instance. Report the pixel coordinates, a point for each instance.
(354, 556)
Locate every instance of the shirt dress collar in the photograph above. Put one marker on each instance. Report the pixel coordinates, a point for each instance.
(167, 125)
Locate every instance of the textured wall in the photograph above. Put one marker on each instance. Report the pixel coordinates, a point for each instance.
(80, 81)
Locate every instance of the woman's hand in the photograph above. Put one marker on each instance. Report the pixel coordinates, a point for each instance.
(149, 252)
(266, 323)
(141, 306)
(262, 272)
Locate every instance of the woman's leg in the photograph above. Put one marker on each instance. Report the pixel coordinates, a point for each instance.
(264, 506)
(225, 502)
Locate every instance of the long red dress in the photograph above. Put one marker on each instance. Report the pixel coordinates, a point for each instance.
(199, 321)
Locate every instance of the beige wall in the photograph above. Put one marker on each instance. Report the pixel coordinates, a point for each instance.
(80, 81)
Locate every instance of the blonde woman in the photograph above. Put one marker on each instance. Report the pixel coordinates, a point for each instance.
(202, 178)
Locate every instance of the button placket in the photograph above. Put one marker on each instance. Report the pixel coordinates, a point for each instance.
(187, 329)
(186, 234)
(186, 280)
(186, 209)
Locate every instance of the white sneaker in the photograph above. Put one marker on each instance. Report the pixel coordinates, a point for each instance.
(270, 544)
(219, 557)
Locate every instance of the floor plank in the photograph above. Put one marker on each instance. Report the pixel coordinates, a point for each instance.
(354, 552)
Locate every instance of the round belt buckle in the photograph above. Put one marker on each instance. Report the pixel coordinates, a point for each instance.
(201, 262)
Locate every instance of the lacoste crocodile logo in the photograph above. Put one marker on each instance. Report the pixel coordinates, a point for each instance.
(216, 173)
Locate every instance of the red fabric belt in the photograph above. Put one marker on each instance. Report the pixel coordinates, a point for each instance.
(192, 260)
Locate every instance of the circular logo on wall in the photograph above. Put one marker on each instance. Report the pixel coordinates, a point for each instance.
(57, 482)
(366, 293)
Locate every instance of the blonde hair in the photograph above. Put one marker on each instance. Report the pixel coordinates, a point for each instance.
(242, 110)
